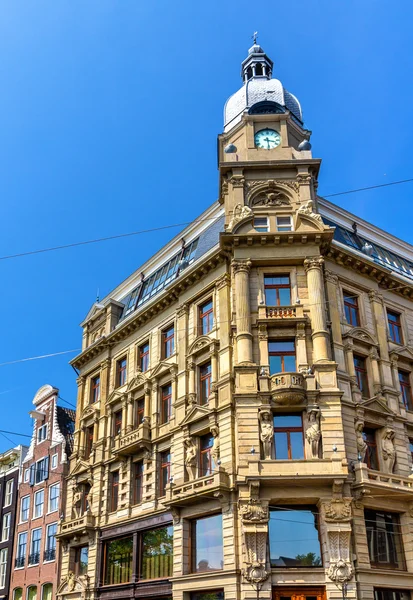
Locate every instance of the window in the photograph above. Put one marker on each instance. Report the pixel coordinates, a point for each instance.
(50, 551)
(168, 341)
(5, 530)
(144, 357)
(166, 400)
(288, 437)
(282, 356)
(395, 327)
(54, 461)
(18, 594)
(284, 224)
(117, 561)
(47, 591)
(205, 383)
(21, 550)
(384, 539)
(411, 449)
(25, 509)
(140, 412)
(117, 423)
(81, 560)
(293, 535)
(121, 372)
(95, 389)
(41, 433)
(32, 593)
(39, 471)
(371, 459)
(206, 317)
(157, 553)
(38, 504)
(54, 493)
(3, 567)
(277, 290)
(361, 374)
(209, 595)
(386, 594)
(34, 556)
(207, 545)
(26, 475)
(351, 309)
(114, 490)
(206, 466)
(404, 379)
(9, 492)
(138, 482)
(89, 440)
(261, 224)
(165, 471)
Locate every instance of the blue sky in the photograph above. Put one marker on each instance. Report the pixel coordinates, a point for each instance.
(109, 112)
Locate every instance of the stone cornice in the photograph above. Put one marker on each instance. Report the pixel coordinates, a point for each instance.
(320, 238)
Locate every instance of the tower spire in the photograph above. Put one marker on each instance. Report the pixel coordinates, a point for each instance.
(257, 64)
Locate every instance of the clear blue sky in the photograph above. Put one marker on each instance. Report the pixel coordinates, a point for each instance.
(109, 112)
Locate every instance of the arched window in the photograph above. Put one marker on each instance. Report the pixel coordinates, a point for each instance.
(47, 591)
(18, 594)
(32, 593)
(258, 69)
(249, 73)
(266, 107)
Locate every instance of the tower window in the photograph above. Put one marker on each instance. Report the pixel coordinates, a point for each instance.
(284, 224)
(258, 69)
(249, 73)
(261, 224)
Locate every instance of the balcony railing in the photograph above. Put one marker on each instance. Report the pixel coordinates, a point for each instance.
(131, 442)
(49, 554)
(366, 477)
(281, 312)
(287, 388)
(34, 558)
(183, 493)
(75, 526)
(19, 562)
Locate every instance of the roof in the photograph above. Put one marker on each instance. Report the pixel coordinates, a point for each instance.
(66, 421)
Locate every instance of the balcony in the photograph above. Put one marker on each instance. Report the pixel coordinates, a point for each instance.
(67, 529)
(280, 313)
(184, 493)
(49, 555)
(19, 562)
(34, 558)
(313, 471)
(368, 480)
(287, 388)
(135, 440)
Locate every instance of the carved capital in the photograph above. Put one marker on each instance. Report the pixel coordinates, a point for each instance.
(182, 310)
(223, 281)
(375, 296)
(316, 262)
(331, 277)
(304, 179)
(80, 380)
(237, 181)
(241, 266)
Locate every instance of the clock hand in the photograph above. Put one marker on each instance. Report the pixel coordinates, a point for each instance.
(267, 139)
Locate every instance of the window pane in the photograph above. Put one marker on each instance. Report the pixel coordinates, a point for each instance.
(293, 538)
(32, 593)
(297, 445)
(208, 544)
(83, 560)
(283, 346)
(157, 553)
(281, 446)
(18, 594)
(118, 563)
(210, 595)
(289, 363)
(271, 297)
(287, 421)
(275, 364)
(47, 591)
(285, 296)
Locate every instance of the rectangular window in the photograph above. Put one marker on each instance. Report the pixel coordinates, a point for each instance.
(282, 356)
(261, 224)
(209, 595)
(114, 490)
(95, 389)
(117, 423)
(54, 493)
(206, 466)
(384, 539)
(395, 327)
(411, 449)
(3, 566)
(39, 471)
(277, 289)
(41, 433)
(9, 492)
(207, 544)
(34, 556)
(404, 379)
(166, 403)
(371, 459)
(117, 561)
(351, 309)
(361, 374)
(54, 461)
(140, 411)
(387, 594)
(206, 317)
(168, 341)
(121, 372)
(293, 537)
(144, 357)
(81, 560)
(38, 504)
(89, 441)
(165, 471)
(5, 530)
(288, 437)
(157, 553)
(24, 509)
(138, 482)
(21, 550)
(204, 383)
(47, 591)
(50, 551)
(284, 224)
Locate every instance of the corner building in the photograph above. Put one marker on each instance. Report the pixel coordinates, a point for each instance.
(244, 425)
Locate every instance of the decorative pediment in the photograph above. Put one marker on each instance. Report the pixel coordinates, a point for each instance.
(404, 351)
(376, 404)
(203, 342)
(362, 334)
(90, 410)
(163, 368)
(138, 381)
(196, 413)
(81, 468)
(72, 584)
(114, 397)
(95, 310)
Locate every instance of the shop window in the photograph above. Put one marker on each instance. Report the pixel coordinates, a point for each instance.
(294, 538)
(388, 594)
(208, 595)
(384, 538)
(117, 561)
(207, 544)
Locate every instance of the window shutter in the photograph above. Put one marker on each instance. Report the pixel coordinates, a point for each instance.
(31, 474)
(46, 467)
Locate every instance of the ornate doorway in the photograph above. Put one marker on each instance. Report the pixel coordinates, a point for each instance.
(298, 593)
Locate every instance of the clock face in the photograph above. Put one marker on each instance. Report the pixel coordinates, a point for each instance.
(267, 139)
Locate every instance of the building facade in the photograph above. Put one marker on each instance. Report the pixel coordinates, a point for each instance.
(10, 478)
(244, 426)
(41, 499)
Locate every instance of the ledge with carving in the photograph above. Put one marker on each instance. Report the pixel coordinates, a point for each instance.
(183, 493)
(368, 481)
(133, 441)
(284, 314)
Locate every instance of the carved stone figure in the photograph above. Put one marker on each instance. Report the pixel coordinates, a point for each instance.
(308, 209)
(313, 433)
(266, 433)
(240, 212)
(361, 444)
(388, 450)
(71, 582)
(191, 458)
(338, 509)
(270, 199)
(76, 503)
(215, 445)
(340, 571)
(254, 512)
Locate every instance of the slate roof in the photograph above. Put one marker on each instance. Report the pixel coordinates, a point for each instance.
(66, 421)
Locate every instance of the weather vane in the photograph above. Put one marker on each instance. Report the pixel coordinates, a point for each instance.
(254, 36)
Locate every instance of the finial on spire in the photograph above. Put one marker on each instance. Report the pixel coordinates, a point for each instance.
(254, 36)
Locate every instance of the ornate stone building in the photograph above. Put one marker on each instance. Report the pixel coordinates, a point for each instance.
(245, 421)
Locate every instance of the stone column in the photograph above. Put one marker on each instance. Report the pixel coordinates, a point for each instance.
(355, 391)
(214, 365)
(316, 298)
(82, 441)
(124, 415)
(335, 318)
(243, 311)
(374, 361)
(95, 430)
(147, 403)
(301, 350)
(129, 422)
(223, 295)
(191, 381)
(377, 306)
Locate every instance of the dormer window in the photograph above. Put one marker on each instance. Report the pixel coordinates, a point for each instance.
(284, 223)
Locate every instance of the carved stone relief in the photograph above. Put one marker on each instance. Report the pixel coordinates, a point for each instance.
(191, 458)
(254, 519)
(337, 517)
(240, 213)
(361, 444)
(266, 433)
(388, 450)
(313, 432)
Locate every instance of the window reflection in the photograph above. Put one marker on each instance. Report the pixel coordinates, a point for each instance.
(207, 552)
(157, 553)
(118, 561)
(294, 540)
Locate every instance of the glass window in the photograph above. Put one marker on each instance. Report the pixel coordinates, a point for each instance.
(361, 374)
(206, 466)
(395, 327)
(207, 545)
(411, 448)
(387, 594)
(384, 538)
(165, 471)
(404, 379)
(288, 437)
(261, 224)
(121, 372)
(157, 553)
(89, 441)
(34, 557)
(284, 224)
(114, 490)
(40, 470)
(32, 593)
(371, 459)
(166, 399)
(95, 389)
(47, 590)
(5, 530)
(21, 549)
(50, 552)
(42, 433)
(81, 560)
(117, 423)
(25, 509)
(351, 309)
(54, 493)
(38, 504)
(205, 374)
(54, 461)
(118, 561)
(18, 594)
(206, 317)
(9, 492)
(144, 357)
(294, 540)
(282, 356)
(168, 337)
(140, 411)
(277, 290)
(209, 595)
(3, 566)
(138, 482)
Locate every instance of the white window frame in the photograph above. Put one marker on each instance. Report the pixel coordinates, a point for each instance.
(43, 586)
(8, 496)
(18, 555)
(258, 227)
(43, 469)
(35, 504)
(3, 567)
(281, 227)
(50, 510)
(47, 539)
(21, 510)
(54, 461)
(42, 433)
(31, 544)
(26, 475)
(5, 530)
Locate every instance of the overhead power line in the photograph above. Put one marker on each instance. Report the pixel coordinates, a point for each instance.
(371, 187)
